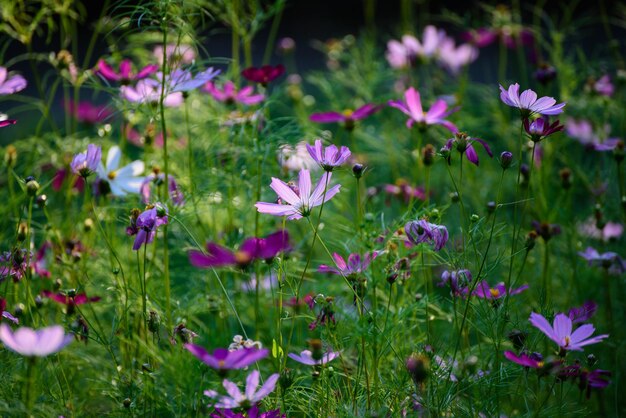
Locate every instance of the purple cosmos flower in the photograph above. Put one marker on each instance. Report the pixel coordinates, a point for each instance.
(423, 231)
(480, 37)
(306, 358)
(252, 396)
(453, 58)
(534, 360)
(545, 73)
(10, 84)
(596, 379)
(458, 281)
(329, 157)
(541, 128)
(223, 360)
(463, 144)
(86, 112)
(263, 75)
(86, 163)
(402, 54)
(582, 131)
(149, 91)
(603, 86)
(347, 117)
(183, 81)
(252, 249)
(301, 201)
(610, 230)
(582, 313)
(147, 224)
(229, 95)
(38, 343)
(611, 261)
(7, 122)
(484, 291)
(125, 73)
(528, 103)
(355, 265)
(6, 314)
(157, 179)
(251, 413)
(545, 230)
(561, 332)
(14, 264)
(412, 106)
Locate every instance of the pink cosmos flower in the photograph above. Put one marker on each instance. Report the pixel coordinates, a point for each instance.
(70, 299)
(250, 413)
(561, 332)
(402, 189)
(582, 131)
(306, 358)
(252, 396)
(155, 179)
(484, 291)
(125, 73)
(10, 84)
(35, 343)
(402, 54)
(604, 86)
(229, 95)
(541, 128)
(86, 112)
(355, 264)
(223, 359)
(299, 200)
(328, 157)
(347, 117)
(149, 91)
(480, 37)
(534, 360)
(453, 58)
(412, 106)
(7, 122)
(252, 249)
(263, 75)
(86, 163)
(528, 103)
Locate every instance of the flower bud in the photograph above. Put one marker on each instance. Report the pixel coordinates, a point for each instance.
(418, 366)
(428, 155)
(454, 197)
(357, 170)
(491, 207)
(474, 218)
(88, 224)
(32, 187)
(506, 158)
(41, 201)
(127, 402)
(10, 156)
(286, 45)
(153, 322)
(566, 178)
(531, 240)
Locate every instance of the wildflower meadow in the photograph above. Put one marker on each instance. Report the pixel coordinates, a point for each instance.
(205, 214)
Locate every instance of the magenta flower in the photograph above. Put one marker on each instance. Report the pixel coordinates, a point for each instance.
(86, 112)
(306, 358)
(86, 163)
(10, 84)
(70, 299)
(252, 249)
(528, 103)
(541, 128)
(534, 360)
(147, 224)
(299, 199)
(252, 396)
(423, 231)
(484, 291)
(229, 95)
(463, 145)
(223, 360)
(355, 265)
(14, 263)
(412, 106)
(347, 117)
(329, 157)
(7, 122)
(402, 189)
(402, 54)
(35, 343)
(149, 91)
(176, 195)
(125, 73)
(480, 37)
(582, 313)
(561, 332)
(610, 230)
(611, 261)
(263, 75)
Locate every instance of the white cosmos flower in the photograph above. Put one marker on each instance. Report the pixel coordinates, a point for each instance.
(121, 180)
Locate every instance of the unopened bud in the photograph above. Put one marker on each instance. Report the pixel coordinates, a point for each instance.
(358, 170)
(10, 156)
(454, 197)
(88, 224)
(506, 158)
(428, 155)
(531, 240)
(41, 201)
(474, 218)
(32, 187)
(491, 207)
(22, 231)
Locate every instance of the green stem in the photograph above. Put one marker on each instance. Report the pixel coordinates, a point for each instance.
(30, 378)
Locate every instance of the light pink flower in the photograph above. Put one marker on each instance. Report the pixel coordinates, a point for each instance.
(412, 107)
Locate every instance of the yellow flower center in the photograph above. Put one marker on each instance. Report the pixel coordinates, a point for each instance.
(494, 292)
(567, 341)
(347, 113)
(242, 257)
(112, 175)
